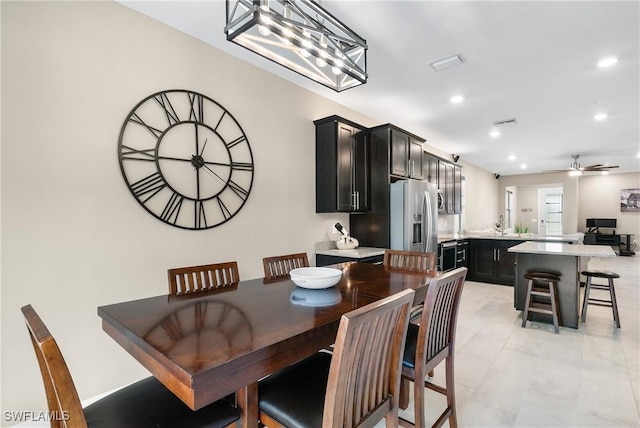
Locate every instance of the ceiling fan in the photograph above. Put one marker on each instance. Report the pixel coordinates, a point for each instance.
(577, 169)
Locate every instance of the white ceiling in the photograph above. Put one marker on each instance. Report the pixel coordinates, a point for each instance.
(533, 61)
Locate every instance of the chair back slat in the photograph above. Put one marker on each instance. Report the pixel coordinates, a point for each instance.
(280, 266)
(193, 279)
(439, 316)
(62, 396)
(410, 260)
(364, 378)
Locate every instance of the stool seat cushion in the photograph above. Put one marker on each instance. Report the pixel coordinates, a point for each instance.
(295, 396)
(600, 274)
(147, 403)
(542, 276)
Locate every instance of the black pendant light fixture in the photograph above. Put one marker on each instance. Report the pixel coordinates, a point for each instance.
(301, 36)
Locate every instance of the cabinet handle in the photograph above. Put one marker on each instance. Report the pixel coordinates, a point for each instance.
(357, 199)
(498, 254)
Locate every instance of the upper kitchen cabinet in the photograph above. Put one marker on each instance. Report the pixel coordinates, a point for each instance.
(448, 177)
(406, 160)
(430, 168)
(342, 172)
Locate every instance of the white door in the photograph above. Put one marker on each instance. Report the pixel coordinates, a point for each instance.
(550, 203)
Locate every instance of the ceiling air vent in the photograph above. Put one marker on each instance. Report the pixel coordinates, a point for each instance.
(505, 122)
(444, 63)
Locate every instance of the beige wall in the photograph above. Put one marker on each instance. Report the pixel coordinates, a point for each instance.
(600, 197)
(585, 196)
(73, 238)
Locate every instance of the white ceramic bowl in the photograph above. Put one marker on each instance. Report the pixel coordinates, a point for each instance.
(315, 277)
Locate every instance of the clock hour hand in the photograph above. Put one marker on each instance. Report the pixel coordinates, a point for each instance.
(203, 147)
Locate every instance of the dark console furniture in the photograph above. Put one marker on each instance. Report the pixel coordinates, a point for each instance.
(608, 235)
(602, 239)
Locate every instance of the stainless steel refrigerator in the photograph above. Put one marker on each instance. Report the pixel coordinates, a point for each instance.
(414, 216)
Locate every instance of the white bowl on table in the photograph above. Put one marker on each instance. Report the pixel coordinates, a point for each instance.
(315, 277)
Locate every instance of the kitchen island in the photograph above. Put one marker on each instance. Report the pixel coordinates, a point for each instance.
(560, 259)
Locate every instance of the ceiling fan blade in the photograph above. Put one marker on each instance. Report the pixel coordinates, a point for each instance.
(599, 167)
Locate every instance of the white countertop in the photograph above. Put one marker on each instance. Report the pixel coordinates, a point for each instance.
(562, 249)
(356, 253)
(574, 237)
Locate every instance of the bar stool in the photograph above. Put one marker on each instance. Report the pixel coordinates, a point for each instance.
(536, 287)
(610, 276)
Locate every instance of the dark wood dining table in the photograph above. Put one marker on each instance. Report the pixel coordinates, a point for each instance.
(208, 345)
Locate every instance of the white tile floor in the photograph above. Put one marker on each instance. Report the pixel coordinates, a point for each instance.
(508, 376)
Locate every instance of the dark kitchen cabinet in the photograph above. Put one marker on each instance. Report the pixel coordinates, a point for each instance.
(450, 187)
(406, 154)
(342, 172)
(489, 261)
(430, 168)
(457, 189)
(462, 253)
(372, 228)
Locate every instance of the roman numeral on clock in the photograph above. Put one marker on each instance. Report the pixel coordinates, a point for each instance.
(149, 186)
(197, 107)
(223, 208)
(172, 209)
(200, 216)
(238, 190)
(129, 153)
(170, 113)
(137, 120)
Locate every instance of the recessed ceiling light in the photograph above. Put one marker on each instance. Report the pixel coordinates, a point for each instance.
(605, 172)
(523, 166)
(494, 134)
(600, 116)
(512, 157)
(457, 99)
(607, 62)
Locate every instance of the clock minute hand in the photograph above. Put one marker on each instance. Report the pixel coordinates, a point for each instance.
(212, 172)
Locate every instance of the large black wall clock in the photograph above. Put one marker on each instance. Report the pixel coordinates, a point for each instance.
(186, 159)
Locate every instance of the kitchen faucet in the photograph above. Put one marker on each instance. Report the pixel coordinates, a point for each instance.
(500, 225)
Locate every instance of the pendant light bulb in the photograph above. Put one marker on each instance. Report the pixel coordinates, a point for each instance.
(337, 68)
(287, 29)
(264, 19)
(306, 41)
(322, 55)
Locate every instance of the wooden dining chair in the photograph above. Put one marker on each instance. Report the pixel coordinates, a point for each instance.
(146, 403)
(357, 385)
(430, 343)
(409, 260)
(280, 266)
(193, 279)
